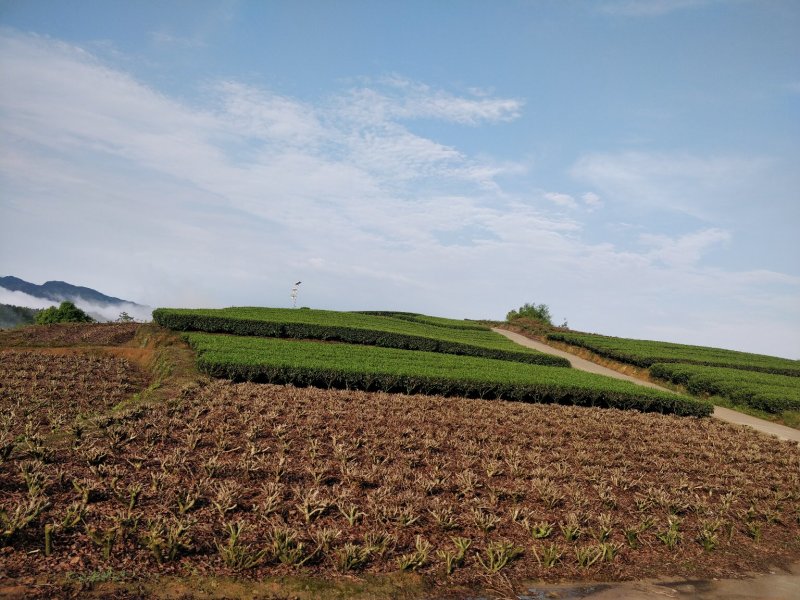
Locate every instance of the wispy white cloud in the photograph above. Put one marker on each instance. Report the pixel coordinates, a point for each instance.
(202, 24)
(17, 298)
(295, 166)
(220, 203)
(257, 114)
(559, 199)
(421, 101)
(694, 185)
(684, 250)
(652, 8)
(165, 38)
(589, 200)
(397, 98)
(592, 200)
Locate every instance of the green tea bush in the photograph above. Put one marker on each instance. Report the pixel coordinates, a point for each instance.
(645, 353)
(763, 391)
(347, 366)
(353, 328)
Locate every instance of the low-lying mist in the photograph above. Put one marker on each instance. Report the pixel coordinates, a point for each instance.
(100, 312)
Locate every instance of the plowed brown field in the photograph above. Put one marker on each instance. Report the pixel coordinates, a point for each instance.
(258, 481)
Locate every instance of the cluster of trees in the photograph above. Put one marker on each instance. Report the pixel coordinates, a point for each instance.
(67, 312)
(537, 312)
(20, 316)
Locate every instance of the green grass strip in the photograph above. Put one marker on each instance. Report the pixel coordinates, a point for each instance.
(644, 353)
(417, 318)
(353, 328)
(305, 363)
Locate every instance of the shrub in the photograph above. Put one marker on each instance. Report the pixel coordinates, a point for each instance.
(538, 312)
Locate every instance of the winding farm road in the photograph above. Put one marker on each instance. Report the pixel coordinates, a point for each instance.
(723, 414)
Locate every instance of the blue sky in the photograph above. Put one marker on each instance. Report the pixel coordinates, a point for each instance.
(631, 163)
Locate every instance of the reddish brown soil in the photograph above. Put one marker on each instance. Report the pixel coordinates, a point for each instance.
(45, 391)
(255, 454)
(141, 357)
(70, 334)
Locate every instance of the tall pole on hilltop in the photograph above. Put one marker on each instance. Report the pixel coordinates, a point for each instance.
(295, 289)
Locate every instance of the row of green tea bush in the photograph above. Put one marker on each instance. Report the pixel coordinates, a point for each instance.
(645, 353)
(763, 391)
(352, 328)
(305, 363)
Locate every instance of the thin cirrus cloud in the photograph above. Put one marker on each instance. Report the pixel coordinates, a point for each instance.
(290, 163)
(651, 8)
(214, 202)
(690, 184)
(165, 38)
(402, 99)
(591, 201)
(685, 250)
(257, 114)
(559, 199)
(247, 132)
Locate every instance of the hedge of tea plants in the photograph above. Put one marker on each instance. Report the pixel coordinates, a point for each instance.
(418, 318)
(763, 391)
(305, 363)
(645, 353)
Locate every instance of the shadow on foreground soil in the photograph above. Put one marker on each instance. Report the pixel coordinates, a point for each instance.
(783, 585)
(778, 585)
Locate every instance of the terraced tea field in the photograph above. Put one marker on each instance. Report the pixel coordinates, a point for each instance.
(418, 318)
(766, 384)
(385, 369)
(409, 332)
(762, 391)
(397, 352)
(645, 353)
(268, 480)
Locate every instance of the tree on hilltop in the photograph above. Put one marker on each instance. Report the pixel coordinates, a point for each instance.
(537, 312)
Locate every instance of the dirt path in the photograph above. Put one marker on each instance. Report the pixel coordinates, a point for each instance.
(779, 584)
(723, 414)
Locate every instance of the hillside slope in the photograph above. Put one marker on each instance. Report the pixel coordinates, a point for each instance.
(15, 316)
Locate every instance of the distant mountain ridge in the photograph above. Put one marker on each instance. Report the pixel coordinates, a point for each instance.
(20, 300)
(58, 291)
